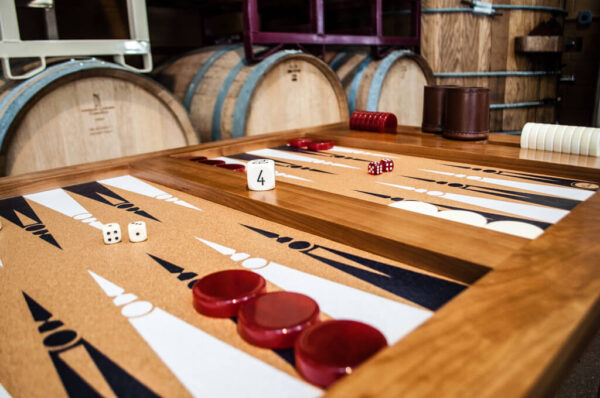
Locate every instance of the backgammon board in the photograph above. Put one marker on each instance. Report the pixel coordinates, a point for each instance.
(478, 262)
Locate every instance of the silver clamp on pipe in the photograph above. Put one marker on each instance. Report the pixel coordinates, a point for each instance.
(481, 7)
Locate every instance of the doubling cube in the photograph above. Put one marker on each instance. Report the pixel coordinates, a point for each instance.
(388, 165)
(137, 231)
(111, 233)
(375, 168)
(261, 174)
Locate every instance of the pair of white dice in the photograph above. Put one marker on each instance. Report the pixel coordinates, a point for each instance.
(112, 232)
(261, 174)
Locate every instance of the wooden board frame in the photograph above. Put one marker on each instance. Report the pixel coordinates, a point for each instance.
(514, 332)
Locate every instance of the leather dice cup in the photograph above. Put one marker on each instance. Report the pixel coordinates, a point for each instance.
(467, 114)
(434, 108)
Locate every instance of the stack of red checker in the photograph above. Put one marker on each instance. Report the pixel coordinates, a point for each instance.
(382, 122)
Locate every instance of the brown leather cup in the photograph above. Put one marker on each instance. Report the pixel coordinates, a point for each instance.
(467, 113)
(434, 108)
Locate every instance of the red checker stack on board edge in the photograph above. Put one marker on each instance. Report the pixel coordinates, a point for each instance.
(276, 319)
(383, 122)
(332, 349)
(221, 294)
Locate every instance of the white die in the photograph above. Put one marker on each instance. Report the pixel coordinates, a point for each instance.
(261, 174)
(137, 231)
(111, 233)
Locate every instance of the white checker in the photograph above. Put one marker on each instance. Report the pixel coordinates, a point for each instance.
(541, 136)
(137, 231)
(558, 136)
(567, 135)
(532, 138)
(517, 228)
(111, 233)
(549, 142)
(576, 140)
(261, 174)
(595, 143)
(525, 134)
(586, 140)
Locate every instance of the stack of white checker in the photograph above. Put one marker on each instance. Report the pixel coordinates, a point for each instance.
(562, 139)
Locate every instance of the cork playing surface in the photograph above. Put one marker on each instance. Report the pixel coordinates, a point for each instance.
(84, 318)
(508, 201)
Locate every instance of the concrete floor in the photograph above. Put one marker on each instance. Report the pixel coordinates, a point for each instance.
(584, 379)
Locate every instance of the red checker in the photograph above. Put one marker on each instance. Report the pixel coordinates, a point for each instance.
(276, 319)
(212, 162)
(300, 142)
(332, 349)
(198, 158)
(220, 294)
(388, 123)
(356, 120)
(320, 145)
(232, 166)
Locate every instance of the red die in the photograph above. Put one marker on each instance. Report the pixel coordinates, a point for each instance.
(375, 168)
(388, 165)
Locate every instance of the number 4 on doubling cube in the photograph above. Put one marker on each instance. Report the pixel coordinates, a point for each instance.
(259, 179)
(261, 174)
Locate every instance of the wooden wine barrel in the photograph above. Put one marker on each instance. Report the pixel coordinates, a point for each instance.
(228, 98)
(459, 44)
(392, 84)
(86, 110)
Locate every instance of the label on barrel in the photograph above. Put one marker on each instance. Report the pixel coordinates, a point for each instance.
(294, 70)
(101, 116)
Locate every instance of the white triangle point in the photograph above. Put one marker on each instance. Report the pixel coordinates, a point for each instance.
(108, 287)
(221, 249)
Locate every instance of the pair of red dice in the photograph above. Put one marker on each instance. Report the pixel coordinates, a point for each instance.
(384, 166)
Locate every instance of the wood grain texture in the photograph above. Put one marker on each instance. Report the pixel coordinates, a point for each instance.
(402, 89)
(465, 42)
(37, 181)
(512, 334)
(539, 44)
(296, 207)
(498, 151)
(92, 115)
(303, 89)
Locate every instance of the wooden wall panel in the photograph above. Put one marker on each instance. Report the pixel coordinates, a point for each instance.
(463, 42)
